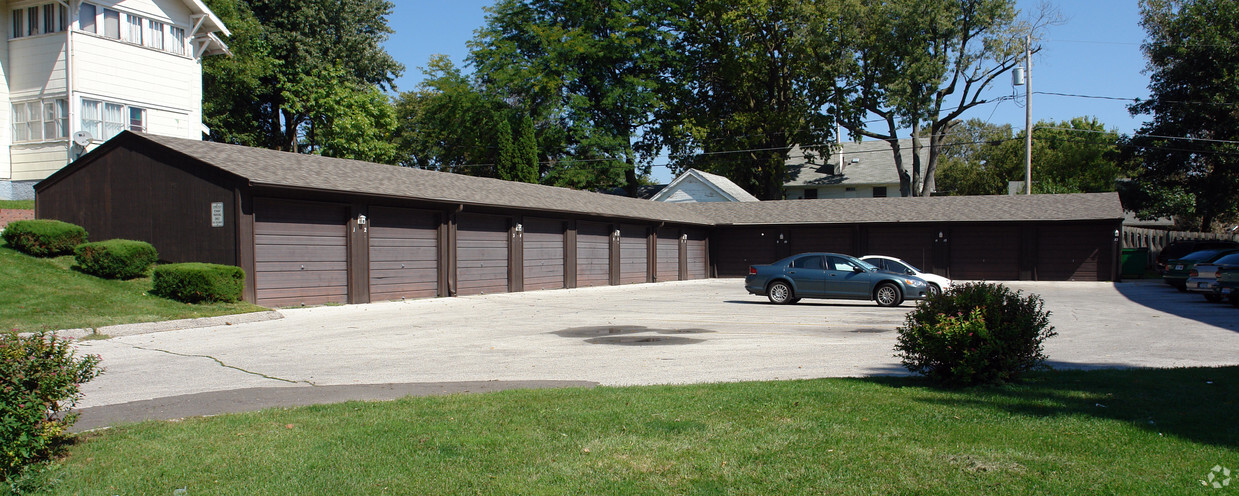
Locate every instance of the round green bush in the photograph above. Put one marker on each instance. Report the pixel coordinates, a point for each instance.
(198, 282)
(44, 237)
(116, 258)
(975, 334)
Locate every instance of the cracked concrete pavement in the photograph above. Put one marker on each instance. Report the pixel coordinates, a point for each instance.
(679, 332)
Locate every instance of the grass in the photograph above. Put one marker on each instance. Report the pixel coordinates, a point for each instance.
(17, 204)
(38, 294)
(1095, 432)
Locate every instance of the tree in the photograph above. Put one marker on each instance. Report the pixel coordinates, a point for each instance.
(1193, 89)
(507, 161)
(291, 54)
(446, 124)
(1076, 156)
(588, 67)
(920, 65)
(746, 94)
(527, 150)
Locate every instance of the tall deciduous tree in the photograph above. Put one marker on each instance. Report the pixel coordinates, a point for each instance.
(291, 54)
(446, 124)
(919, 65)
(527, 150)
(1194, 87)
(589, 67)
(507, 161)
(746, 93)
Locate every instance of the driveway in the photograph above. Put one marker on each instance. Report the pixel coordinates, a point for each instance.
(669, 333)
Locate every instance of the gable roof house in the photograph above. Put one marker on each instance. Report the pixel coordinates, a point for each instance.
(858, 170)
(697, 187)
(93, 69)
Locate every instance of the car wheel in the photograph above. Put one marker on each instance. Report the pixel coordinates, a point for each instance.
(780, 292)
(888, 295)
(933, 289)
(1213, 298)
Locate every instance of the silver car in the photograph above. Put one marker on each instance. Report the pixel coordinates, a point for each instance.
(1203, 278)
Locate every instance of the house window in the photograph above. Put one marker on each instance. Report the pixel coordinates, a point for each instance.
(56, 119)
(134, 34)
(86, 17)
(879, 191)
(20, 131)
(49, 18)
(113, 119)
(17, 24)
(810, 194)
(137, 120)
(92, 120)
(32, 21)
(155, 40)
(178, 41)
(111, 24)
(63, 18)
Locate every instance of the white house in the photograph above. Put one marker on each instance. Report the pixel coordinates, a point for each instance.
(697, 186)
(90, 69)
(857, 170)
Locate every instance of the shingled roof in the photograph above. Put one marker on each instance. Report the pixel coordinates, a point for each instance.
(270, 168)
(865, 162)
(1082, 206)
(276, 169)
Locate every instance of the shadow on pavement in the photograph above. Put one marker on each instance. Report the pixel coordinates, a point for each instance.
(1158, 296)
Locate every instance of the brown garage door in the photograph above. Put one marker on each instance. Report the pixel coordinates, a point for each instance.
(985, 252)
(404, 253)
(300, 253)
(1071, 253)
(481, 254)
(696, 258)
(740, 248)
(544, 254)
(828, 239)
(668, 249)
(913, 244)
(593, 254)
(634, 254)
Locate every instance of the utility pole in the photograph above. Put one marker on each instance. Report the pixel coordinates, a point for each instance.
(1028, 114)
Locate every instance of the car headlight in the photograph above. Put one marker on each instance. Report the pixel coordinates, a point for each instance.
(914, 282)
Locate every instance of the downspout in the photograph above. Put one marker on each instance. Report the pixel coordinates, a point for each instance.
(69, 77)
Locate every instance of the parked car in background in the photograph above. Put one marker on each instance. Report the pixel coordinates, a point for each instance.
(1203, 278)
(1177, 249)
(833, 276)
(1228, 284)
(936, 282)
(1177, 270)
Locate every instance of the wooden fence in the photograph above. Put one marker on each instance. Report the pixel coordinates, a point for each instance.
(1156, 239)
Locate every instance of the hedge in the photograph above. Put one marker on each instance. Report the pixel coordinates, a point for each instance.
(43, 237)
(116, 258)
(198, 282)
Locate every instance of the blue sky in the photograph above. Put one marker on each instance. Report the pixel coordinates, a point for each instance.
(1095, 52)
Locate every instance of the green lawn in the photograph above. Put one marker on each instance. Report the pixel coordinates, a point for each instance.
(1098, 432)
(40, 294)
(17, 204)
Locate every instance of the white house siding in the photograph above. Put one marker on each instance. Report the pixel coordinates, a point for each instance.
(173, 11)
(6, 138)
(38, 67)
(38, 160)
(133, 75)
(692, 189)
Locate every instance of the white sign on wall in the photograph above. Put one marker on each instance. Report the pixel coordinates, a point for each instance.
(217, 214)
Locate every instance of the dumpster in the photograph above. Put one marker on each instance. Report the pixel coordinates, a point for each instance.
(1135, 261)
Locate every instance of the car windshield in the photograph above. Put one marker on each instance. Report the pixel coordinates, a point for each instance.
(907, 265)
(1232, 259)
(1201, 255)
(867, 265)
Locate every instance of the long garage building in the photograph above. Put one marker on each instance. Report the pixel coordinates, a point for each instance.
(309, 230)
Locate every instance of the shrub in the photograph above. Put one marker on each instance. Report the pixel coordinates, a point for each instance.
(44, 238)
(197, 282)
(975, 334)
(40, 380)
(116, 258)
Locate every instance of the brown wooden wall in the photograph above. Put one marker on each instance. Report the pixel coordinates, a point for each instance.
(149, 197)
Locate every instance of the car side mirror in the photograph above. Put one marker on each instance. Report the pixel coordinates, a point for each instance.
(857, 270)
(911, 272)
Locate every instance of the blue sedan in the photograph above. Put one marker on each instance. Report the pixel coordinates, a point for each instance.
(831, 275)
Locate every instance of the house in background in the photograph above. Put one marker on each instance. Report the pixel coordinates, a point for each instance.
(696, 187)
(76, 73)
(858, 170)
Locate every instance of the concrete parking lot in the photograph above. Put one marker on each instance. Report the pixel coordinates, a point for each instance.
(680, 332)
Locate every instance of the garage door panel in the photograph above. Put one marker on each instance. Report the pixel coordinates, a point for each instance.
(300, 252)
(912, 244)
(696, 255)
(543, 245)
(593, 254)
(667, 249)
(634, 254)
(482, 254)
(1070, 253)
(989, 252)
(827, 239)
(404, 265)
(404, 253)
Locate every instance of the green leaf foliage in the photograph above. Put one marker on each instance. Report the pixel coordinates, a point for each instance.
(44, 237)
(40, 381)
(116, 258)
(977, 333)
(507, 159)
(198, 282)
(1193, 92)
